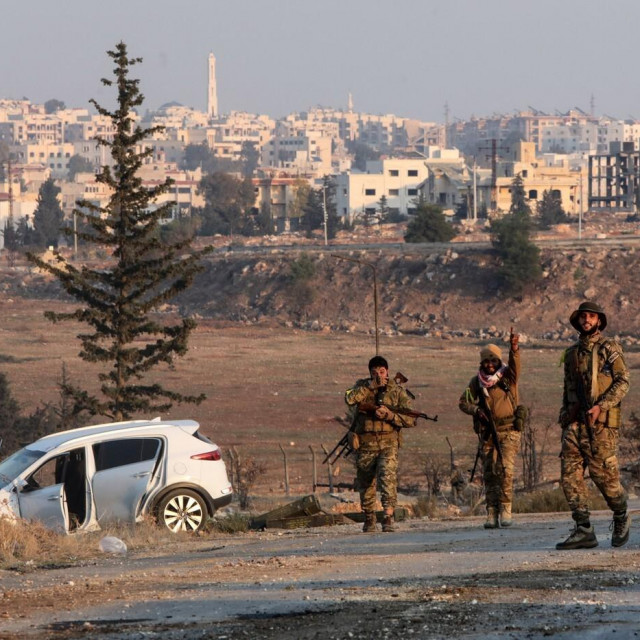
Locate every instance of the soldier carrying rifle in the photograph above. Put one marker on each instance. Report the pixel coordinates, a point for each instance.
(375, 437)
(492, 399)
(595, 381)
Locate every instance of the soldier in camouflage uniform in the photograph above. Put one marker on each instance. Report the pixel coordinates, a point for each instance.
(595, 381)
(376, 438)
(494, 390)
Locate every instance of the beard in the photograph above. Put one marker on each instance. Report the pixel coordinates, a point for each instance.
(591, 331)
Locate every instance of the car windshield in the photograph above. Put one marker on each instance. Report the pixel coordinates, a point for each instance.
(16, 463)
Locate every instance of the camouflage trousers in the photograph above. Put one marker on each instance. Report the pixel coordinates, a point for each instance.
(599, 453)
(498, 478)
(377, 465)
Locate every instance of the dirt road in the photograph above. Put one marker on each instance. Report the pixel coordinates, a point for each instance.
(427, 580)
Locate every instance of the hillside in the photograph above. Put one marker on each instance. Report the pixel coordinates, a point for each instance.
(424, 290)
(420, 291)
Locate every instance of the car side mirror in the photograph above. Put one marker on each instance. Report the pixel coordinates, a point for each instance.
(24, 486)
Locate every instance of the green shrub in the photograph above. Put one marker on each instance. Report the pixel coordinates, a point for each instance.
(231, 523)
(302, 269)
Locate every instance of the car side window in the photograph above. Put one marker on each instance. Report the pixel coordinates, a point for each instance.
(49, 474)
(117, 453)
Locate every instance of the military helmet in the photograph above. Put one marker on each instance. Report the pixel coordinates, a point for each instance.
(592, 307)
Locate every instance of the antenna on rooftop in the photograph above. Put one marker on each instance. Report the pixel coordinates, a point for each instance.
(592, 105)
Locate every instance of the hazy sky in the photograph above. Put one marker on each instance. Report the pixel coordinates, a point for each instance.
(406, 57)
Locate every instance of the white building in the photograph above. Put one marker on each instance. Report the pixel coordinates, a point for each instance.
(398, 179)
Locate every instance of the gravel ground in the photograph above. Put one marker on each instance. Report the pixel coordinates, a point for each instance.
(430, 579)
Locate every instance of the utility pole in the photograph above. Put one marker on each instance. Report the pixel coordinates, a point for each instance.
(10, 187)
(475, 191)
(494, 170)
(324, 212)
(446, 125)
(580, 209)
(375, 291)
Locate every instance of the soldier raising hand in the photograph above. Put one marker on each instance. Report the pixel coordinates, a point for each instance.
(491, 397)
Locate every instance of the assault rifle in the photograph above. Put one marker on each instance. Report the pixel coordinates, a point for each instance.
(343, 448)
(583, 402)
(371, 408)
(488, 423)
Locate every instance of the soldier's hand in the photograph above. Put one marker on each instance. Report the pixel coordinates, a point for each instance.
(377, 381)
(513, 340)
(593, 414)
(384, 413)
(482, 416)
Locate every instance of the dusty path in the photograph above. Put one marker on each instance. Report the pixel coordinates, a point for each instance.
(428, 580)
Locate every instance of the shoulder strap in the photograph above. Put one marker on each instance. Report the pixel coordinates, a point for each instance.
(506, 387)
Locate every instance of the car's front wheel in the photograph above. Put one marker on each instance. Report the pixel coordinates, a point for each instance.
(182, 510)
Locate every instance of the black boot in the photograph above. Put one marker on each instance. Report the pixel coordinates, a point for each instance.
(582, 537)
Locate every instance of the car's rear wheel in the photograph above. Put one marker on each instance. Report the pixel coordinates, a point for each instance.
(182, 510)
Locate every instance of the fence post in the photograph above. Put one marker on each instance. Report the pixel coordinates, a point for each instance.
(329, 469)
(314, 471)
(235, 472)
(286, 471)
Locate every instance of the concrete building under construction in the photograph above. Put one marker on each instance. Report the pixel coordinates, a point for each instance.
(614, 179)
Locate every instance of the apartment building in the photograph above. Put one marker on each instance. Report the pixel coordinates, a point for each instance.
(55, 156)
(398, 179)
(306, 153)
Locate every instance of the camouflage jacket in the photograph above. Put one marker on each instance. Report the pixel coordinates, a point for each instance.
(394, 397)
(502, 397)
(611, 383)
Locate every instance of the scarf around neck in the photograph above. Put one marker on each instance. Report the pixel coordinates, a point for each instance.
(488, 381)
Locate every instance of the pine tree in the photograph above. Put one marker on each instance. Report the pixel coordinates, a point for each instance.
(9, 415)
(429, 225)
(117, 300)
(550, 209)
(10, 234)
(518, 197)
(520, 258)
(48, 216)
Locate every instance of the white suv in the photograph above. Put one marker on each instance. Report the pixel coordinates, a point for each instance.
(91, 477)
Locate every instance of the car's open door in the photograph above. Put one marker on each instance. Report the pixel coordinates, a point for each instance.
(42, 495)
(124, 470)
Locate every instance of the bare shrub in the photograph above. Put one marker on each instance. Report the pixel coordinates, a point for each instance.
(435, 470)
(551, 500)
(532, 448)
(630, 446)
(245, 472)
(426, 506)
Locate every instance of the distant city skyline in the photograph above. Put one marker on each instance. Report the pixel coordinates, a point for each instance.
(276, 57)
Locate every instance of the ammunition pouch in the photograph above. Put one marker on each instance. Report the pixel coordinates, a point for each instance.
(520, 417)
(613, 417)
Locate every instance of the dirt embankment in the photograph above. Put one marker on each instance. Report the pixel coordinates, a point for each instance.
(450, 292)
(426, 292)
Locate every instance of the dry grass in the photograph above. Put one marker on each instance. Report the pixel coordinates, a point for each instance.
(552, 500)
(26, 545)
(269, 386)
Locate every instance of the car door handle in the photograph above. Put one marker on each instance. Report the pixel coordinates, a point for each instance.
(53, 499)
(142, 474)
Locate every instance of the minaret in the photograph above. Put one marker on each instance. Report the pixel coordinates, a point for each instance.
(212, 102)
(350, 103)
